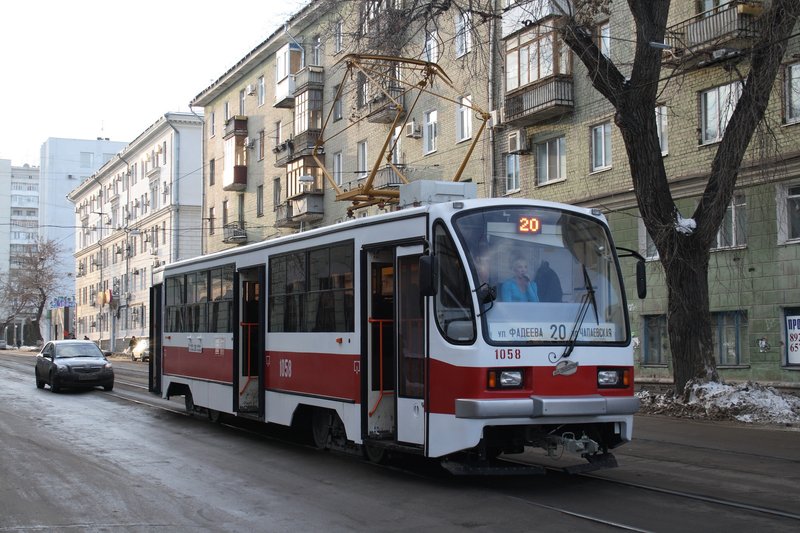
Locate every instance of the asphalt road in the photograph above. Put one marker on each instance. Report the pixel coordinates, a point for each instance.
(96, 461)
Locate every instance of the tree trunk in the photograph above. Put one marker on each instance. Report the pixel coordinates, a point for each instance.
(688, 315)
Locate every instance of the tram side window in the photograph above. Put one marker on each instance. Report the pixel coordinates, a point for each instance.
(196, 299)
(174, 304)
(312, 290)
(220, 300)
(453, 304)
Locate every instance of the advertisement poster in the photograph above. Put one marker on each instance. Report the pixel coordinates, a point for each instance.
(793, 336)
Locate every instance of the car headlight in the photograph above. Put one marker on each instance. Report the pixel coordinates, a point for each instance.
(63, 369)
(107, 366)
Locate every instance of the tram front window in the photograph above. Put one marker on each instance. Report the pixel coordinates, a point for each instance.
(536, 269)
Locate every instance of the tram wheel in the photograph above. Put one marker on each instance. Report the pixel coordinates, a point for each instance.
(374, 454)
(321, 428)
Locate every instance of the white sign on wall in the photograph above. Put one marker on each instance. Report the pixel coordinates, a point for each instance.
(793, 337)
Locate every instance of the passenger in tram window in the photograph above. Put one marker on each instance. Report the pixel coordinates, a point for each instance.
(519, 288)
(548, 284)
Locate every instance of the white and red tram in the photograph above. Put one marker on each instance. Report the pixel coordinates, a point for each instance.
(399, 331)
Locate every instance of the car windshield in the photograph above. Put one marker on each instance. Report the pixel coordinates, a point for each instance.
(77, 350)
(537, 270)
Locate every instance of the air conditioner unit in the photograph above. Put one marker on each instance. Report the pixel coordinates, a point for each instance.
(517, 142)
(497, 117)
(413, 131)
(251, 89)
(249, 143)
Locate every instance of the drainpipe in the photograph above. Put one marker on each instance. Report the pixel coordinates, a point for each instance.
(174, 189)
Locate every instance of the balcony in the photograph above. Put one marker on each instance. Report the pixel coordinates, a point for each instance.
(310, 77)
(384, 29)
(234, 232)
(713, 34)
(299, 146)
(308, 206)
(283, 216)
(284, 92)
(382, 110)
(235, 125)
(543, 100)
(385, 178)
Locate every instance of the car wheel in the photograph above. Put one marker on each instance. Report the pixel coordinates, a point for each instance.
(54, 386)
(39, 382)
(108, 387)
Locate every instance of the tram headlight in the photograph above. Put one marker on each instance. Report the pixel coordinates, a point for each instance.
(613, 377)
(500, 378)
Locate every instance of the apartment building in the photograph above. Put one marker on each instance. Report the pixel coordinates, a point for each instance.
(558, 141)
(297, 128)
(140, 210)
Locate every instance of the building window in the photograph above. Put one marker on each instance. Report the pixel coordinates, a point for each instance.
(661, 127)
(604, 38)
(732, 233)
(226, 112)
(276, 193)
(278, 133)
(463, 33)
(241, 210)
(397, 139)
(431, 47)
(362, 90)
(551, 161)
(512, 172)
(464, 119)
(338, 36)
(337, 105)
(716, 107)
(242, 96)
(260, 201)
(261, 91)
(316, 51)
(361, 159)
(429, 132)
(87, 160)
(601, 146)
(224, 213)
(262, 144)
(212, 123)
(308, 111)
(655, 344)
(535, 54)
(211, 211)
(788, 213)
(727, 329)
(212, 170)
(337, 168)
(793, 93)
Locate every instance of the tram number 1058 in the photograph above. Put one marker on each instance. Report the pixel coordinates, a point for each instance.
(508, 353)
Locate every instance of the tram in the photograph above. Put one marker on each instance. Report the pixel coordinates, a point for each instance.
(403, 332)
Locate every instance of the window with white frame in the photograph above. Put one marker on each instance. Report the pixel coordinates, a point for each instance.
(512, 172)
(361, 159)
(337, 168)
(655, 344)
(790, 223)
(260, 201)
(337, 105)
(716, 109)
(464, 119)
(212, 124)
(733, 231)
(429, 131)
(792, 93)
(604, 38)
(242, 96)
(261, 91)
(276, 193)
(431, 46)
(728, 328)
(463, 38)
(601, 146)
(338, 36)
(661, 127)
(535, 54)
(316, 51)
(650, 250)
(397, 141)
(551, 160)
(226, 112)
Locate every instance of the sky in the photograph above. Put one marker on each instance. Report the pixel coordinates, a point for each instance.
(87, 68)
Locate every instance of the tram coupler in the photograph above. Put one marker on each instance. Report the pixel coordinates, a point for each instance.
(583, 446)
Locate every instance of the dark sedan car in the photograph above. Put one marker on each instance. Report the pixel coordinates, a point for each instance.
(73, 364)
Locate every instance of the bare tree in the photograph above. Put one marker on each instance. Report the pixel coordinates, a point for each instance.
(14, 302)
(684, 249)
(33, 281)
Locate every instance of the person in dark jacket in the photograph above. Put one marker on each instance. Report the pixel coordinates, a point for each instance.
(548, 283)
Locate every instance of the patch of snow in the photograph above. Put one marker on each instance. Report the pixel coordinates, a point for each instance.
(749, 403)
(685, 225)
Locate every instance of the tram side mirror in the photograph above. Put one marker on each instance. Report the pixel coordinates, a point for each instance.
(641, 279)
(428, 275)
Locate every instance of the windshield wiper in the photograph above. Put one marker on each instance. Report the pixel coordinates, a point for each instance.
(487, 294)
(587, 299)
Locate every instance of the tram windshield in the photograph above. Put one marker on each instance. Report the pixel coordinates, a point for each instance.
(543, 276)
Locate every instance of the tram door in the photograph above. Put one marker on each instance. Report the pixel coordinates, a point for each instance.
(249, 362)
(396, 359)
